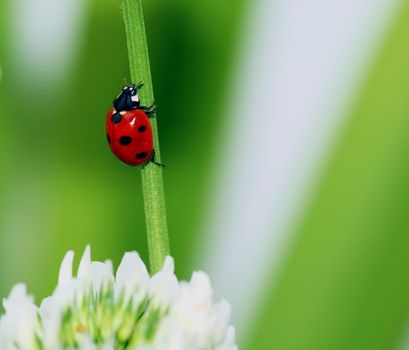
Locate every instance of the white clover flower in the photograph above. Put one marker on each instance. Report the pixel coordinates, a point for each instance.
(132, 310)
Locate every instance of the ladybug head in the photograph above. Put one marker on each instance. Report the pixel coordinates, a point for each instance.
(129, 89)
(128, 99)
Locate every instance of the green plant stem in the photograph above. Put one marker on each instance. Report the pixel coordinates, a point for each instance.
(152, 181)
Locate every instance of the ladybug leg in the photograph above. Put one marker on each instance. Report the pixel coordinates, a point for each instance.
(152, 160)
(149, 110)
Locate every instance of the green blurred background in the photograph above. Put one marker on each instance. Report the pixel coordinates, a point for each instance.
(334, 274)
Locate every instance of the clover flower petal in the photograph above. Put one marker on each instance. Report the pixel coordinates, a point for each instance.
(95, 310)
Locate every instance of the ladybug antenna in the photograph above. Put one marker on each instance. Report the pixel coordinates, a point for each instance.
(126, 83)
(139, 85)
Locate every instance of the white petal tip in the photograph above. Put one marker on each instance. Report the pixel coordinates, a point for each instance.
(168, 265)
(65, 273)
(84, 268)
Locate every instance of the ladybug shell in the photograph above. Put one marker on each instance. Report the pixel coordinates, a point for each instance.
(129, 135)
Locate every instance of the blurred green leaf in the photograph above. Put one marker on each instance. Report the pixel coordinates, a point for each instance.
(345, 283)
(192, 47)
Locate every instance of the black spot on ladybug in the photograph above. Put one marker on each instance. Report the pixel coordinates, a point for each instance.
(125, 140)
(142, 128)
(141, 155)
(116, 118)
(108, 139)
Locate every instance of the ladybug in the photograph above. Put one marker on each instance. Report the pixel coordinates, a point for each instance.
(128, 129)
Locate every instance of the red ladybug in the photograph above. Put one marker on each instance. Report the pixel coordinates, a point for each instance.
(128, 129)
